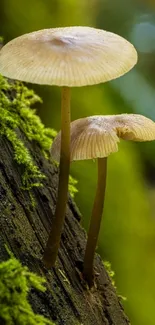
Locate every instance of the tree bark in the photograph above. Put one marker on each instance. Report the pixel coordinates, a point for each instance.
(25, 229)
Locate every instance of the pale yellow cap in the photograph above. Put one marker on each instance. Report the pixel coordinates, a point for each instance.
(69, 56)
(98, 136)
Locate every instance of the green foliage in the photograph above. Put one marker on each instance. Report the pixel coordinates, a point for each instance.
(15, 284)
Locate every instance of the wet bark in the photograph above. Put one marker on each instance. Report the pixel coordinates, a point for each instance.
(25, 230)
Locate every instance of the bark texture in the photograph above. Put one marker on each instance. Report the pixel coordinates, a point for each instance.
(25, 230)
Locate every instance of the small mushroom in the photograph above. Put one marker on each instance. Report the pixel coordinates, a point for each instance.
(98, 137)
(66, 57)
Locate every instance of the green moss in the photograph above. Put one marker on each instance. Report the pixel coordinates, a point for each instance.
(15, 284)
(111, 273)
(16, 113)
(72, 186)
(109, 270)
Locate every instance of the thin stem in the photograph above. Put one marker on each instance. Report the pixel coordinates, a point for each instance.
(51, 250)
(95, 222)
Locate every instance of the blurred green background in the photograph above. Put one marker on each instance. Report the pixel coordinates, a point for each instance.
(127, 237)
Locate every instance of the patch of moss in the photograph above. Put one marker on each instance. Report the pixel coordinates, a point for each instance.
(109, 270)
(72, 186)
(111, 273)
(15, 284)
(16, 113)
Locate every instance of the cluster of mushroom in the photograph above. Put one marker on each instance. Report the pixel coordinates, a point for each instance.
(75, 57)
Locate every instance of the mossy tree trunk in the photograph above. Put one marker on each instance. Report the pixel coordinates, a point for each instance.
(24, 228)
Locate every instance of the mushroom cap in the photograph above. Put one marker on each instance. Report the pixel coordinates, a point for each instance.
(97, 136)
(69, 56)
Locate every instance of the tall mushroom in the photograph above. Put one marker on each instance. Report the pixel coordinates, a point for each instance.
(97, 137)
(66, 57)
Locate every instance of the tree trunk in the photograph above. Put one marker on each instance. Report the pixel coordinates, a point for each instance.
(25, 229)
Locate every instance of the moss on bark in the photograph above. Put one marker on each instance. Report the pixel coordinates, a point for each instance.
(24, 145)
(15, 284)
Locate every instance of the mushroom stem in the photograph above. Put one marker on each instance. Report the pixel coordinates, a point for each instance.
(95, 222)
(51, 250)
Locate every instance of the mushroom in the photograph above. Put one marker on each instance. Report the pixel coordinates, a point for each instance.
(66, 57)
(98, 137)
